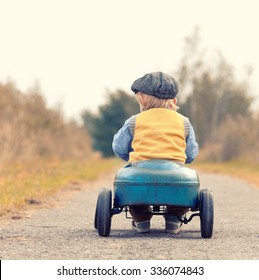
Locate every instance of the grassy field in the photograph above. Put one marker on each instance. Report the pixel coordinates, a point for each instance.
(36, 179)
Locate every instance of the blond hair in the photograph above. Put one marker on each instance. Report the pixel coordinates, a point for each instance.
(147, 102)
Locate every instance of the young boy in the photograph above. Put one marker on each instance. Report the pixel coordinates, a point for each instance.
(157, 132)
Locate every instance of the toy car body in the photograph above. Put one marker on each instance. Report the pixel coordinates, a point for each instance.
(157, 183)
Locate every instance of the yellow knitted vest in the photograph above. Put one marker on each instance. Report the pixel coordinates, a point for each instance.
(159, 134)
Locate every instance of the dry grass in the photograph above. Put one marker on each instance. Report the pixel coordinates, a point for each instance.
(35, 179)
(30, 129)
(240, 169)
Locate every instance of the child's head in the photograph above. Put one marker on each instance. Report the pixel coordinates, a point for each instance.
(156, 90)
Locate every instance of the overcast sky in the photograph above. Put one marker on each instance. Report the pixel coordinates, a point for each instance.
(78, 48)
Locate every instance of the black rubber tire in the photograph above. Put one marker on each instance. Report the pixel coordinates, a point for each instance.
(104, 216)
(206, 213)
(96, 213)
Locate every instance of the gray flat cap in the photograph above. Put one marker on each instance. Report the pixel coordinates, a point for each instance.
(158, 84)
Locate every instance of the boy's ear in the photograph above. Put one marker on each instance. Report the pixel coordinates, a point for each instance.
(175, 101)
(140, 98)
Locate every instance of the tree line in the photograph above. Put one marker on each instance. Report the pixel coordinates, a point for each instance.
(218, 105)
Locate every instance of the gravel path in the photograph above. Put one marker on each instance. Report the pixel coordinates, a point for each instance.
(66, 231)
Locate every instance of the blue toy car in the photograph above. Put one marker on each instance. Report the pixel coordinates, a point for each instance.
(157, 183)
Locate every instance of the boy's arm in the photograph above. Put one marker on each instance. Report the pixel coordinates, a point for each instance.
(192, 147)
(122, 140)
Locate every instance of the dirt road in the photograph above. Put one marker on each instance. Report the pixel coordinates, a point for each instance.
(67, 232)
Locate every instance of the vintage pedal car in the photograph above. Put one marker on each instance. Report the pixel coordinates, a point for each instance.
(157, 183)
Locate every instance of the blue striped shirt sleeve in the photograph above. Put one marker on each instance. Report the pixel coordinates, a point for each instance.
(192, 147)
(122, 141)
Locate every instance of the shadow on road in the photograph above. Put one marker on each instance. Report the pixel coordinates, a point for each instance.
(153, 234)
